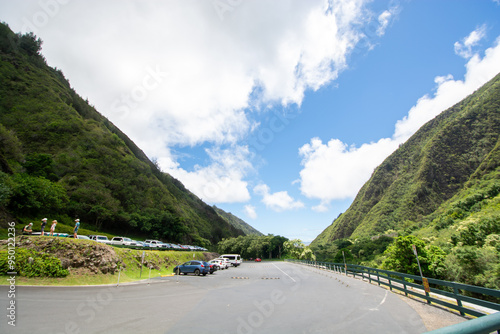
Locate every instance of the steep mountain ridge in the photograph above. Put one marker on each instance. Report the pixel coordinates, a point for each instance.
(237, 222)
(439, 162)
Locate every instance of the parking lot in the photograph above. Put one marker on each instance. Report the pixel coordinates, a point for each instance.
(266, 297)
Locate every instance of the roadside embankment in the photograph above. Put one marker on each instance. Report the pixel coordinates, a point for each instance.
(88, 262)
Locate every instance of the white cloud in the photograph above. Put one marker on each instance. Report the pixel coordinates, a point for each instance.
(335, 171)
(464, 48)
(278, 201)
(250, 211)
(384, 20)
(219, 182)
(212, 59)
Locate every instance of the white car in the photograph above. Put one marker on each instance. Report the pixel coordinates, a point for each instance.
(123, 241)
(224, 263)
(101, 238)
(152, 243)
(218, 263)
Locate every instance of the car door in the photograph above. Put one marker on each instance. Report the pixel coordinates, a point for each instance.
(191, 266)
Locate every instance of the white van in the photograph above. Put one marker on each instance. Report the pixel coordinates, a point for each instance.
(235, 259)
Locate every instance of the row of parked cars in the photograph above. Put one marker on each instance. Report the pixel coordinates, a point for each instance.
(124, 241)
(198, 267)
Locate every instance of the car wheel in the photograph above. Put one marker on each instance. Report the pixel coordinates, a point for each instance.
(197, 272)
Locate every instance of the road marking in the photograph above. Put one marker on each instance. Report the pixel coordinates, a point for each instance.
(383, 301)
(284, 273)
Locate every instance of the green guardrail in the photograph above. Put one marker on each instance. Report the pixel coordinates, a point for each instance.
(482, 325)
(442, 291)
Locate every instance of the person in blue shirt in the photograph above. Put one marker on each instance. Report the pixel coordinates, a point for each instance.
(77, 226)
(44, 222)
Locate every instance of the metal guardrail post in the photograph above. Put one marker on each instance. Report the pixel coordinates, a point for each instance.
(459, 302)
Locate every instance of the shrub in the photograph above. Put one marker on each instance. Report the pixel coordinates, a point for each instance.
(31, 263)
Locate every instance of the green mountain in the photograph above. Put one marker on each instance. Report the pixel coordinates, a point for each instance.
(237, 222)
(443, 176)
(61, 159)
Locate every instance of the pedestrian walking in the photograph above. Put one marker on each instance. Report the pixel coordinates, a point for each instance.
(44, 222)
(77, 226)
(53, 227)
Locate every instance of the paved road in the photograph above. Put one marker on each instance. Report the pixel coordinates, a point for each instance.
(253, 298)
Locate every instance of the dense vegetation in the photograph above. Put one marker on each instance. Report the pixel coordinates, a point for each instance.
(254, 246)
(439, 191)
(31, 263)
(61, 159)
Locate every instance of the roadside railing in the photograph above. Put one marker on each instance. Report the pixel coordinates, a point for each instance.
(448, 294)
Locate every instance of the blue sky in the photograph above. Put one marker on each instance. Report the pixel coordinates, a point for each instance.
(275, 111)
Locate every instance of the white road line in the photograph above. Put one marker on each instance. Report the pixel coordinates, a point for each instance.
(383, 301)
(284, 273)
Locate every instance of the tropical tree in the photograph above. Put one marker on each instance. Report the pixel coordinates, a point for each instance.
(297, 250)
(400, 257)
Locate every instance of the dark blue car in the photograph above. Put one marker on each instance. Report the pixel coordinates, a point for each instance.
(195, 267)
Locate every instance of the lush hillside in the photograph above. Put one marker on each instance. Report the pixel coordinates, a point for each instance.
(237, 222)
(446, 157)
(61, 159)
(440, 191)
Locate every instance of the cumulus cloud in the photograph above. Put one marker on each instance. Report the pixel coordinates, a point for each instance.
(278, 201)
(333, 170)
(464, 48)
(219, 182)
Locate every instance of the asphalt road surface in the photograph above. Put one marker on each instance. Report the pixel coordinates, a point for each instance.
(266, 297)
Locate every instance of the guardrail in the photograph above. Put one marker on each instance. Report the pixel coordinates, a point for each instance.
(448, 294)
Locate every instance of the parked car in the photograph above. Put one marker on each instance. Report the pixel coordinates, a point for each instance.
(258, 260)
(101, 238)
(213, 267)
(218, 264)
(235, 259)
(195, 267)
(123, 241)
(224, 263)
(151, 243)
